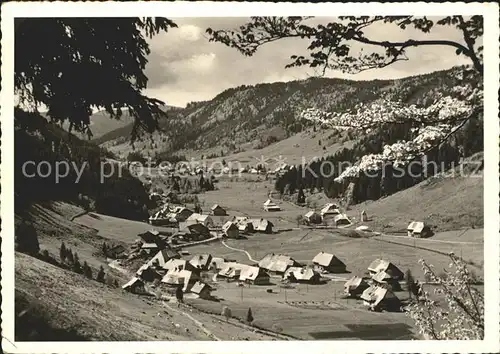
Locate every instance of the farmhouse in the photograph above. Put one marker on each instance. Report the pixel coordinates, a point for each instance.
(203, 290)
(313, 217)
(116, 251)
(150, 236)
(180, 277)
(244, 224)
(355, 286)
(418, 229)
(201, 261)
(378, 299)
(329, 209)
(162, 257)
(385, 280)
(380, 265)
(262, 225)
(205, 220)
(327, 262)
(194, 231)
(178, 265)
(230, 230)
(254, 275)
(135, 286)
(231, 270)
(218, 210)
(277, 263)
(302, 275)
(341, 219)
(150, 247)
(180, 214)
(217, 263)
(271, 206)
(146, 273)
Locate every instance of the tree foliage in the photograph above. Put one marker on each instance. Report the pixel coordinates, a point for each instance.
(331, 45)
(26, 238)
(75, 65)
(463, 316)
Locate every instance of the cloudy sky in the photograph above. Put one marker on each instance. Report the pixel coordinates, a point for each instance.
(184, 66)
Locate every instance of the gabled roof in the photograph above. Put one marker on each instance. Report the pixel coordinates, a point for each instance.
(311, 213)
(341, 217)
(354, 282)
(252, 273)
(201, 260)
(216, 206)
(261, 224)
(363, 228)
(198, 229)
(173, 264)
(229, 225)
(218, 261)
(163, 256)
(330, 208)
(379, 265)
(369, 294)
(301, 273)
(381, 277)
(232, 269)
(416, 226)
(199, 286)
(149, 245)
(269, 202)
(327, 259)
(277, 262)
(133, 281)
(199, 217)
(177, 277)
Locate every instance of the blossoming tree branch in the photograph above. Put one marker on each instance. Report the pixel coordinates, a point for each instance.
(331, 47)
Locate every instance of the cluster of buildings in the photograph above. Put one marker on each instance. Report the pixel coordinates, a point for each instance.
(330, 213)
(377, 290)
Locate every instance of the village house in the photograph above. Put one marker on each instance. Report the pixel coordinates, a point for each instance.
(313, 217)
(116, 252)
(327, 262)
(277, 263)
(355, 286)
(135, 286)
(201, 261)
(271, 206)
(178, 277)
(150, 236)
(244, 224)
(150, 247)
(231, 270)
(262, 225)
(329, 209)
(147, 273)
(341, 220)
(379, 265)
(254, 275)
(205, 220)
(203, 290)
(180, 214)
(302, 275)
(230, 230)
(217, 263)
(380, 299)
(178, 265)
(194, 231)
(385, 280)
(162, 257)
(217, 210)
(418, 229)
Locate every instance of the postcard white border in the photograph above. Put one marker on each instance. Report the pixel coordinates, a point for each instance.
(218, 9)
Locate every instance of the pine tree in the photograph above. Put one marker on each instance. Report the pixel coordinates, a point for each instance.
(62, 252)
(69, 256)
(115, 283)
(249, 315)
(100, 275)
(76, 265)
(104, 248)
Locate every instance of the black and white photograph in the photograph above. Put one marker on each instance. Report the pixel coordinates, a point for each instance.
(185, 173)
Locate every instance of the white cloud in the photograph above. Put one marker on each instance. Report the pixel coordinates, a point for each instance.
(190, 33)
(184, 66)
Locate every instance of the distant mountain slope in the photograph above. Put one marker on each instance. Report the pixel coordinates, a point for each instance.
(248, 117)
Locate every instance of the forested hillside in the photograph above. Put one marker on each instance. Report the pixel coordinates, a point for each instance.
(249, 117)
